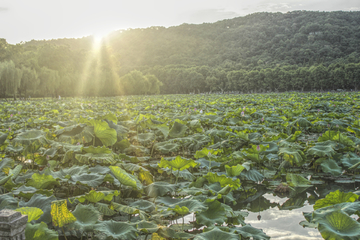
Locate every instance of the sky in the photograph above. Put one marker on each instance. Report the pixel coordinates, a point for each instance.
(24, 20)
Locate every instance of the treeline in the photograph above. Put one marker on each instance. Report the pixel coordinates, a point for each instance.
(181, 79)
(52, 70)
(260, 52)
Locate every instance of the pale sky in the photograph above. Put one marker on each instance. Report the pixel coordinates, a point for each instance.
(23, 20)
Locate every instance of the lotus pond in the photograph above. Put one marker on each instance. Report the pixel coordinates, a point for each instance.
(254, 166)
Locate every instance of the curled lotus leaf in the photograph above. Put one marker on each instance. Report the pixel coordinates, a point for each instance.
(167, 147)
(30, 137)
(321, 151)
(177, 130)
(40, 231)
(159, 189)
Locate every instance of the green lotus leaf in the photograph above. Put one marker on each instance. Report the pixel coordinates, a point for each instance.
(91, 180)
(295, 180)
(302, 122)
(104, 158)
(146, 227)
(321, 151)
(248, 231)
(351, 161)
(253, 175)
(42, 202)
(205, 153)
(336, 137)
(33, 213)
(177, 164)
(63, 173)
(167, 147)
(92, 149)
(159, 189)
(143, 205)
(40, 231)
(7, 201)
(42, 181)
(144, 138)
(28, 192)
(215, 214)
(105, 209)
(294, 156)
(3, 137)
(86, 216)
(124, 177)
(334, 198)
(115, 230)
(192, 205)
(163, 128)
(102, 131)
(98, 169)
(94, 196)
(78, 133)
(111, 117)
(136, 150)
(168, 233)
(234, 171)
(223, 180)
(330, 166)
(178, 130)
(179, 210)
(203, 163)
(30, 137)
(4, 180)
(338, 225)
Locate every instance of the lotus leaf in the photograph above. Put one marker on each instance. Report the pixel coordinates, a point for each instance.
(42, 202)
(30, 137)
(158, 189)
(102, 131)
(40, 231)
(33, 213)
(331, 166)
(86, 216)
(216, 234)
(177, 164)
(215, 214)
(115, 230)
(42, 181)
(177, 130)
(223, 180)
(124, 177)
(234, 171)
(295, 180)
(335, 198)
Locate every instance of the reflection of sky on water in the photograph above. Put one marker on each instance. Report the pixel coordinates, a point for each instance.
(284, 224)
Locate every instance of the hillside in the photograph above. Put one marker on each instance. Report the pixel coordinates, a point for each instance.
(299, 37)
(298, 50)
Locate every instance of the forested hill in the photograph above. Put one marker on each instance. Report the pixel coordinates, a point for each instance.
(299, 37)
(298, 50)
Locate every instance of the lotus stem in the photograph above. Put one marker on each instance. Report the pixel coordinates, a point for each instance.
(62, 228)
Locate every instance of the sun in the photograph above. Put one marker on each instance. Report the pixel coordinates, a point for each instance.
(98, 39)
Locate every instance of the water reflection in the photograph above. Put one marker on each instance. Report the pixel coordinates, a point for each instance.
(279, 215)
(283, 224)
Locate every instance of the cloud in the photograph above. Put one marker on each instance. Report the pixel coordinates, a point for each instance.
(210, 15)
